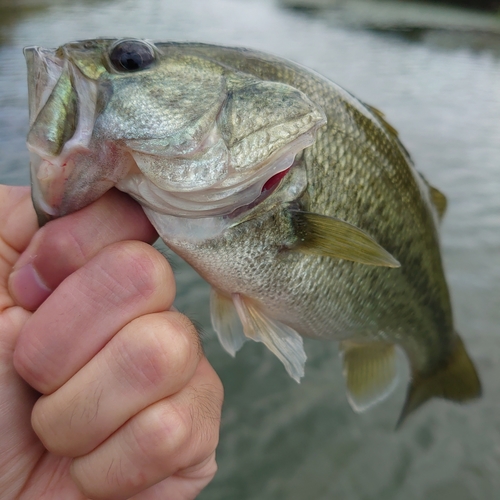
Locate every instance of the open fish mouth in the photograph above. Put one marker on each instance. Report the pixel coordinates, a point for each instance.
(56, 193)
(212, 159)
(227, 197)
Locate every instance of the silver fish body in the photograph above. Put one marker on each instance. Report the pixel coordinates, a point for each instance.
(295, 201)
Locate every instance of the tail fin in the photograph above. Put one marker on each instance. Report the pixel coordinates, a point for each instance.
(457, 380)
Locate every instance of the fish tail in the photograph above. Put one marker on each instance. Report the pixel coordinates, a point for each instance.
(457, 380)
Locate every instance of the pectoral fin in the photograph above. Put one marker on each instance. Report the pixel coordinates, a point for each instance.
(322, 235)
(226, 322)
(456, 380)
(280, 339)
(370, 371)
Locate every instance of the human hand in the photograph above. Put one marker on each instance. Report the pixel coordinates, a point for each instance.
(129, 406)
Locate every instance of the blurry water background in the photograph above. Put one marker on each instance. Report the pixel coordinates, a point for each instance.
(438, 81)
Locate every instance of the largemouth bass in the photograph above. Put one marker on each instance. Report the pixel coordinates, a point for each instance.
(293, 199)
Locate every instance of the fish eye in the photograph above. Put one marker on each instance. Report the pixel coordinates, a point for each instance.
(131, 55)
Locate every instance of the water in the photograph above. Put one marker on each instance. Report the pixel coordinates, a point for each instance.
(281, 440)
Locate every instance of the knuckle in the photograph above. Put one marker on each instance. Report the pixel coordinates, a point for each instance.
(191, 338)
(42, 424)
(66, 424)
(161, 431)
(211, 467)
(202, 472)
(63, 243)
(143, 360)
(28, 363)
(136, 270)
(154, 352)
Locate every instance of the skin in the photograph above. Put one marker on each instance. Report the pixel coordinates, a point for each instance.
(104, 391)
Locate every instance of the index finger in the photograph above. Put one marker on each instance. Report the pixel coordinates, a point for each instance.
(66, 244)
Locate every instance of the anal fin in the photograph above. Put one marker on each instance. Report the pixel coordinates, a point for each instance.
(279, 338)
(226, 322)
(370, 371)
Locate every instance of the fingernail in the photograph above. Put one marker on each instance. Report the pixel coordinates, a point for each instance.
(27, 288)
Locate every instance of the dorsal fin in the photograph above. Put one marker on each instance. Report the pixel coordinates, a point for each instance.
(438, 199)
(382, 119)
(393, 133)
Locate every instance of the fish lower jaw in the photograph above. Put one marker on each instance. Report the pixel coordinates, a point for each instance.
(192, 228)
(174, 204)
(150, 182)
(199, 204)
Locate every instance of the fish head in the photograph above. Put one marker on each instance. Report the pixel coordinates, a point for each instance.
(181, 132)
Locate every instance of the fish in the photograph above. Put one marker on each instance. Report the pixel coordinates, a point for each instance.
(294, 200)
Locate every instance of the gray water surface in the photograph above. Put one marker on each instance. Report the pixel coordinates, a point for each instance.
(281, 440)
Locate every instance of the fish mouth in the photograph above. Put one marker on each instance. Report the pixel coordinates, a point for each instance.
(58, 189)
(267, 190)
(228, 198)
(215, 168)
(53, 197)
(62, 112)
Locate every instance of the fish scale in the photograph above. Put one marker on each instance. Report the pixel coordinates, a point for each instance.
(293, 199)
